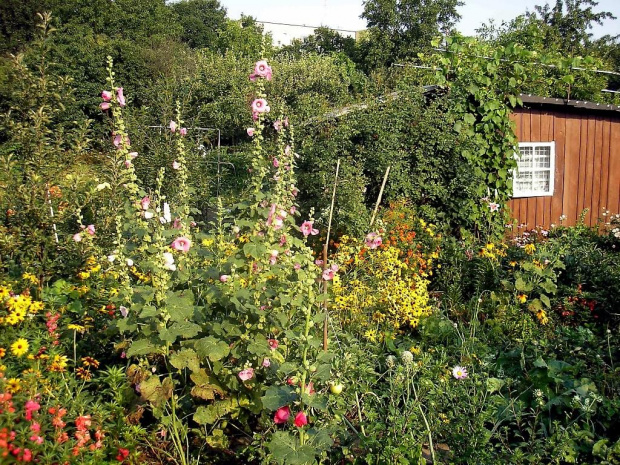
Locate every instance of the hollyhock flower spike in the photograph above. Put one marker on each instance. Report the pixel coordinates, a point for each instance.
(247, 374)
(251, 132)
(104, 106)
(173, 126)
(307, 229)
(301, 419)
(181, 244)
(260, 106)
(120, 97)
(282, 415)
(106, 95)
(459, 372)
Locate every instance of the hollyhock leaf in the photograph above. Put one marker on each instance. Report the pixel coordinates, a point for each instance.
(278, 396)
(186, 358)
(183, 329)
(212, 348)
(142, 347)
(286, 449)
(317, 401)
(212, 413)
(206, 387)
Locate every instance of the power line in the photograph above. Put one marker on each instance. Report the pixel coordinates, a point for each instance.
(304, 25)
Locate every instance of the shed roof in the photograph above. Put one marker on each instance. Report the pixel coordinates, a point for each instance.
(534, 101)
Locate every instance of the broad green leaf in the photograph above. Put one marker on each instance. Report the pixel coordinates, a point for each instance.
(278, 396)
(185, 358)
(212, 348)
(142, 347)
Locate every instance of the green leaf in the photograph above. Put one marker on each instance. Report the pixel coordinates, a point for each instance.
(207, 387)
(212, 348)
(545, 300)
(286, 450)
(540, 363)
(494, 384)
(278, 396)
(155, 391)
(186, 358)
(520, 284)
(183, 329)
(142, 347)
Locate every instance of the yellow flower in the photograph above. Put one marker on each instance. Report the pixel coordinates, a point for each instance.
(513, 263)
(542, 317)
(36, 306)
(20, 347)
(530, 249)
(59, 363)
(13, 385)
(522, 298)
(74, 327)
(83, 275)
(2, 352)
(415, 350)
(4, 292)
(30, 277)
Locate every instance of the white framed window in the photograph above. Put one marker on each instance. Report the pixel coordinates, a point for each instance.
(535, 170)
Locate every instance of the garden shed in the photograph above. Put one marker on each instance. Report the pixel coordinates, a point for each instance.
(570, 161)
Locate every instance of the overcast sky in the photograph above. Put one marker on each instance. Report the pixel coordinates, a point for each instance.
(344, 14)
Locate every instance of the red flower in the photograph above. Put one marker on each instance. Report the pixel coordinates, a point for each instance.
(301, 419)
(282, 415)
(122, 454)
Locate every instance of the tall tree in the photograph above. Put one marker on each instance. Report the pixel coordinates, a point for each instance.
(201, 21)
(399, 29)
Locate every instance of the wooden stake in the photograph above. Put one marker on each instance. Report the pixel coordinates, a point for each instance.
(374, 214)
(325, 247)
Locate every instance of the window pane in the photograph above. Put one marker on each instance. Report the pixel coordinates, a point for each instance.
(523, 181)
(541, 181)
(542, 157)
(526, 159)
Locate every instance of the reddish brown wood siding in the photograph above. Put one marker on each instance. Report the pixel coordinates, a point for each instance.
(587, 166)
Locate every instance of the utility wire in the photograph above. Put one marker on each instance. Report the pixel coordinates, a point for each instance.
(304, 25)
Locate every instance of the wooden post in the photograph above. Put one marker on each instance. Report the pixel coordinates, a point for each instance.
(325, 247)
(374, 214)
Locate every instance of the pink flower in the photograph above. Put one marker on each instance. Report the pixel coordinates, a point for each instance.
(35, 427)
(493, 206)
(120, 97)
(30, 407)
(255, 116)
(297, 266)
(328, 274)
(77, 237)
(145, 202)
(293, 210)
(104, 106)
(273, 343)
(277, 125)
(459, 372)
(251, 132)
(278, 223)
(282, 415)
(118, 139)
(310, 388)
(294, 191)
(301, 419)
(183, 131)
(273, 257)
(90, 229)
(246, 374)
(266, 363)
(318, 262)
(175, 165)
(373, 240)
(133, 155)
(124, 311)
(181, 244)
(276, 163)
(224, 278)
(307, 229)
(173, 126)
(36, 439)
(262, 69)
(127, 164)
(106, 95)
(285, 122)
(260, 106)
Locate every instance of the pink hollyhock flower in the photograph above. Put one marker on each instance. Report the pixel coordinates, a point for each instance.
(117, 140)
(277, 125)
(127, 164)
(173, 126)
(297, 266)
(276, 163)
(91, 229)
(260, 106)
(328, 274)
(294, 191)
(266, 363)
(133, 155)
(282, 415)
(175, 165)
(124, 311)
(282, 240)
(77, 237)
(145, 202)
(224, 278)
(273, 343)
(293, 210)
(287, 150)
(104, 106)
(251, 132)
(106, 95)
(253, 77)
(120, 97)
(307, 229)
(301, 419)
(318, 262)
(273, 257)
(183, 131)
(246, 374)
(285, 122)
(373, 240)
(459, 372)
(262, 69)
(310, 388)
(255, 116)
(181, 244)
(493, 206)
(278, 223)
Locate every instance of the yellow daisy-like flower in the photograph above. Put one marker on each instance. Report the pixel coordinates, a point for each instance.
(36, 306)
(31, 278)
(522, 298)
(2, 352)
(530, 249)
(59, 363)
(4, 292)
(13, 385)
(20, 347)
(74, 327)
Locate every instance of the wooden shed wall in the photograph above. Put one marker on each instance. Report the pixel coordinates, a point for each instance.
(587, 166)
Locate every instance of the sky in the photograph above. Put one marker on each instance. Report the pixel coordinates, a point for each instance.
(344, 14)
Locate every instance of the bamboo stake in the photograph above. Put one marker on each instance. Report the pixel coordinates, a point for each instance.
(325, 247)
(374, 214)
